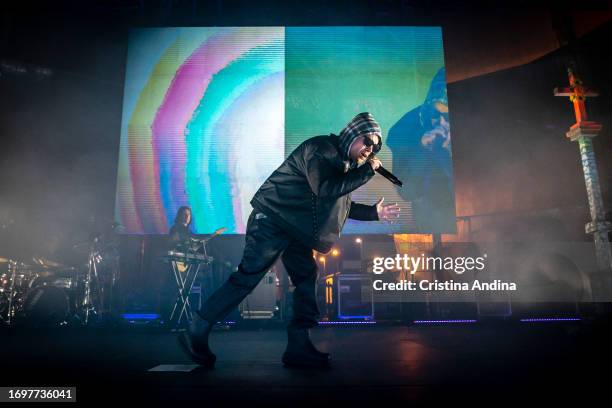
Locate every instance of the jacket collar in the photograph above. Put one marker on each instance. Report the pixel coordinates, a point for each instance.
(344, 164)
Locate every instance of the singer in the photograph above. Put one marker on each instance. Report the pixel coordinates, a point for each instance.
(302, 206)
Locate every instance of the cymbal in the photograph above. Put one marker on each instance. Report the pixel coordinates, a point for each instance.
(46, 267)
(47, 263)
(31, 267)
(3, 260)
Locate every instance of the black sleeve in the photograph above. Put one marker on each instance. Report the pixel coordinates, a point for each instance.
(179, 233)
(337, 186)
(174, 236)
(362, 212)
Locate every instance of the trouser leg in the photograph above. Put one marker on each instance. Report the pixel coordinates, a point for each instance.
(264, 242)
(302, 269)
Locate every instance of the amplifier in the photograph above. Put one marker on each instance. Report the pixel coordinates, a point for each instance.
(355, 296)
(261, 303)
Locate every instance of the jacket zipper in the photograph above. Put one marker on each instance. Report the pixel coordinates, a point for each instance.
(315, 221)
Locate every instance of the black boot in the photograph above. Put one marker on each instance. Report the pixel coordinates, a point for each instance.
(301, 352)
(194, 342)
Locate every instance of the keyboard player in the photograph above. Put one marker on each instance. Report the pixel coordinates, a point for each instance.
(180, 233)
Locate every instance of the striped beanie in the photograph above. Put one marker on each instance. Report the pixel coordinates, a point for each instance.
(361, 124)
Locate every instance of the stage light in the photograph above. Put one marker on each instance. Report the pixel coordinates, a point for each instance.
(444, 321)
(343, 323)
(335, 252)
(322, 259)
(140, 316)
(358, 240)
(551, 319)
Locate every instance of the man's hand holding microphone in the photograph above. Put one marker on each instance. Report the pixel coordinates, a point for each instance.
(374, 162)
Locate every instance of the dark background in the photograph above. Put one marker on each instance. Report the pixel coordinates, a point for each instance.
(517, 176)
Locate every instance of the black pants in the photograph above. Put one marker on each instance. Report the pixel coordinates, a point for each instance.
(265, 243)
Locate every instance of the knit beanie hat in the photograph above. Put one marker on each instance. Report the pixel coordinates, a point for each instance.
(361, 124)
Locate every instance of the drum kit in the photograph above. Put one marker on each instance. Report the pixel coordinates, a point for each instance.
(43, 292)
(48, 293)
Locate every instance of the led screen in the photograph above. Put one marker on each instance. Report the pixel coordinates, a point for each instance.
(209, 113)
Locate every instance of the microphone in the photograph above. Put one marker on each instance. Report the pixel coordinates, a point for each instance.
(388, 175)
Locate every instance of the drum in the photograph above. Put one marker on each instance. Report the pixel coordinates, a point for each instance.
(46, 306)
(49, 300)
(64, 282)
(15, 284)
(23, 279)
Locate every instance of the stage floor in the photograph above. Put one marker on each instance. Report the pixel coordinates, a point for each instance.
(497, 363)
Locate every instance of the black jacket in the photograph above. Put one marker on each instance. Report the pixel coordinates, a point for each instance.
(309, 194)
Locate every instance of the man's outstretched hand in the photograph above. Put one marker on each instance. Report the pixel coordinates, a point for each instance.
(387, 212)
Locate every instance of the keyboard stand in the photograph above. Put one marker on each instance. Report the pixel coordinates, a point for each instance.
(181, 312)
(186, 268)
